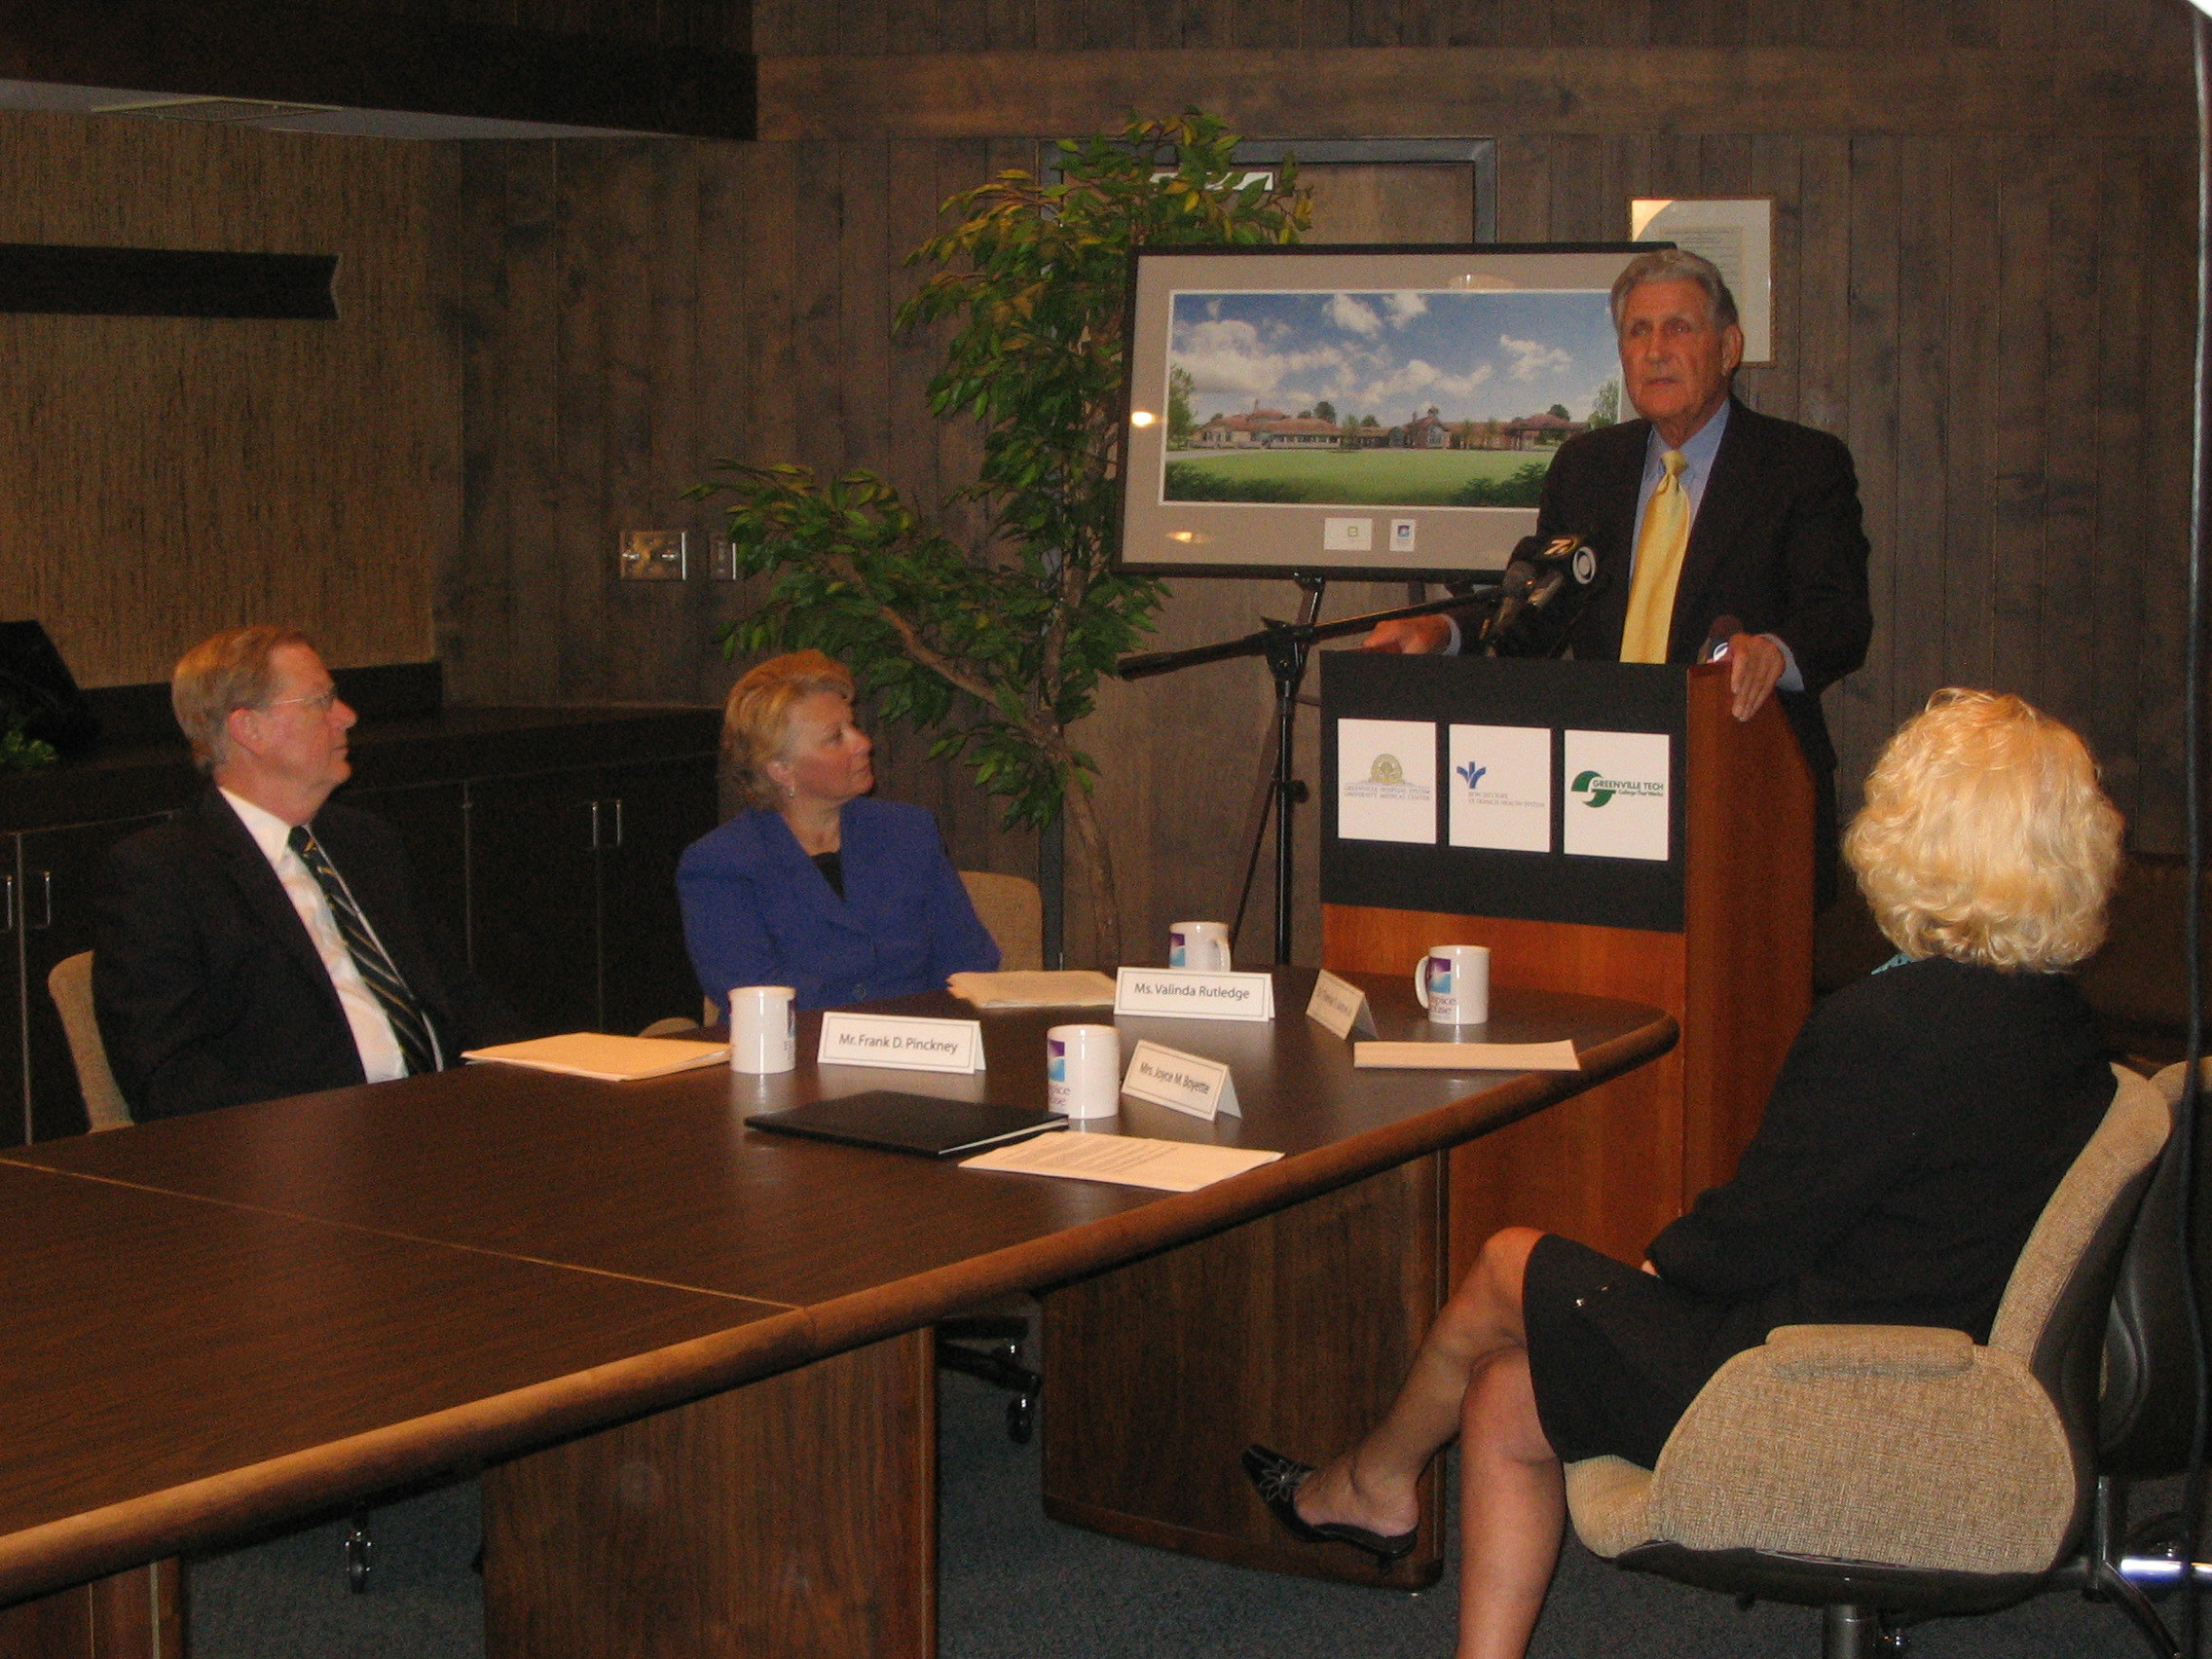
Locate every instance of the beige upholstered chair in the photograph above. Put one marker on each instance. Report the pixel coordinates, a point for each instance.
(1877, 1468)
(70, 984)
(1013, 912)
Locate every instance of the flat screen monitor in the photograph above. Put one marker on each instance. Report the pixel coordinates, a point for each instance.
(1357, 412)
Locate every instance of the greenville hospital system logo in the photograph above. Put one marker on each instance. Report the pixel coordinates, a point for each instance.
(1386, 769)
(1597, 790)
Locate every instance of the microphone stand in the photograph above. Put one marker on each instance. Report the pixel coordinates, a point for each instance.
(1286, 647)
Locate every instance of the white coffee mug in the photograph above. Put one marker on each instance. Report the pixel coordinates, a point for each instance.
(1453, 982)
(763, 1028)
(1204, 946)
(1082, 1070)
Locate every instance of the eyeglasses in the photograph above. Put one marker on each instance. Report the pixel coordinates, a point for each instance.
(320, 702)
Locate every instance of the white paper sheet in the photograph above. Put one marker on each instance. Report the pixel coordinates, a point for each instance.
(1126, 1160)
(1468, 1056)
(608, 1060)
(1033, 988)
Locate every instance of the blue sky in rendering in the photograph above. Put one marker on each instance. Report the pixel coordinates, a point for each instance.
(1476, 356)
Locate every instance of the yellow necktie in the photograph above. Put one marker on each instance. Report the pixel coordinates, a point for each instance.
(1659, 554)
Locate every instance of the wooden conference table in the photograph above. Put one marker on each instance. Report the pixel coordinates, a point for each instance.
(691, 1360)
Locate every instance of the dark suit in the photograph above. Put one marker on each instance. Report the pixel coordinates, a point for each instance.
(1924, 1118)
(208, 989)
(1777, 543)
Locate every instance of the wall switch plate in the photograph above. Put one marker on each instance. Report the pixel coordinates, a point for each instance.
(654, 555)
(724, 565)
(1347, 535)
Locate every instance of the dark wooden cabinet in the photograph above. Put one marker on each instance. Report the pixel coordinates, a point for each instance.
(544, 840)
(662, 807)
(532, 882)
(14, 1119)
(573, 883)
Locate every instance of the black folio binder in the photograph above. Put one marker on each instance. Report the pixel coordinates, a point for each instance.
(919, 1124)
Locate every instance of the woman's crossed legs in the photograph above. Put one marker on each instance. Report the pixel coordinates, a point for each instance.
(1469, 1378)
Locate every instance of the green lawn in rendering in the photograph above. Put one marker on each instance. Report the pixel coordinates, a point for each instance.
(1374, 477)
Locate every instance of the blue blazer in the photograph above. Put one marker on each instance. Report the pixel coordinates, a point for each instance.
(758, 912)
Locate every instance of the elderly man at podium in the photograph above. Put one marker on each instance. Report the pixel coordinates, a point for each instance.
(1704, 512)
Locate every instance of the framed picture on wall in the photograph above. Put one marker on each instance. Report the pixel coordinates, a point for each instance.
(1359, 412)
(1735, 232)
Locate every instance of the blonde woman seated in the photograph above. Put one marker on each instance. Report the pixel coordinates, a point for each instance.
(817, 887)
(1922, 1121)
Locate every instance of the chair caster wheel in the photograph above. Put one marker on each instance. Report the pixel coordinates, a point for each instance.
(360, 1551)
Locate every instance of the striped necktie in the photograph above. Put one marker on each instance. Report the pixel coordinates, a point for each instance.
(408, 1026)
(1659, 554)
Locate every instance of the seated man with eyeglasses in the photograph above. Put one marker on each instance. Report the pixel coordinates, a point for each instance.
(267, 942)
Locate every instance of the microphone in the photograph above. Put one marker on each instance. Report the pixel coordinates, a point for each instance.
(1539, 572)
(1716, 638)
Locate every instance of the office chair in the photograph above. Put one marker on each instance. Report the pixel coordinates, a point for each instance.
(2147, 1412)
(70, 986)
(1013, 912)
(1890, 1472)
(988, 1344)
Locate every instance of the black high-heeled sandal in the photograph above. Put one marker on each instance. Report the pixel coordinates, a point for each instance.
(1276, 1479)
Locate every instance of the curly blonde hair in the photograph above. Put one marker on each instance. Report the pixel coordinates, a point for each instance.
(1985, 836)
(756, 719)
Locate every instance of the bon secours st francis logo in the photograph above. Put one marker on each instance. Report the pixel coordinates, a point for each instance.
(1471, 774)
(1597, 791)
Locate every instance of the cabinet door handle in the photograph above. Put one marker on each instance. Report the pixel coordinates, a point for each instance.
(46, 904)
(616, 803)
(8, 888)
(594, 807)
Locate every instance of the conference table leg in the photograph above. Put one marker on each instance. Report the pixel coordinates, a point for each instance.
(1294, 1329)
(794, 1516)
(137, 1615)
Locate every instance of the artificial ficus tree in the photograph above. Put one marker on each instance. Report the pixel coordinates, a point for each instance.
(999, 646)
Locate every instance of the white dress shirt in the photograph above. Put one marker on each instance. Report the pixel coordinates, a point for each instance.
(382, 1059)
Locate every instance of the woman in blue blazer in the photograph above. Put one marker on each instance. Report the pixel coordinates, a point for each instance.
(817, 887)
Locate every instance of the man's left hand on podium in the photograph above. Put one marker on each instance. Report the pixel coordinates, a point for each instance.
(1754, 664)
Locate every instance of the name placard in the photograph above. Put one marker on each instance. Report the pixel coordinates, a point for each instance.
(1186, 994)
(1340, 1007)
(1181, 1083)
(908, 1044)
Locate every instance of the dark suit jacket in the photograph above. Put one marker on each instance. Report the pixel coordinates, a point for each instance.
(756, 911)
(1777, 542)
(208, 989)
(1922, 1118)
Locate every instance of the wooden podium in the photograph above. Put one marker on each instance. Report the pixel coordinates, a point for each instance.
(1718, 931)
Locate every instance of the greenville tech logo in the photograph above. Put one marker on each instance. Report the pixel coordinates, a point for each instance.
(1599, 791)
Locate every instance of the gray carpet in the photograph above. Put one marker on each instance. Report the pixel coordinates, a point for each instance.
(1016, 1586)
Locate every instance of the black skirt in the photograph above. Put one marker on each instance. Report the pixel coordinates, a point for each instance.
(1615, 1355)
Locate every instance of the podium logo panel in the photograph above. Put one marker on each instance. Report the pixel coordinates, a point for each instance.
(1617, 794)
(1386, 781)
(1501, 787)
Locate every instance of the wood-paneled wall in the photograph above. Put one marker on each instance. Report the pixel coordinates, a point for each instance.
(1989, 299)
(634, 310)
(724, 26)
(868, 27)
(168, 476)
